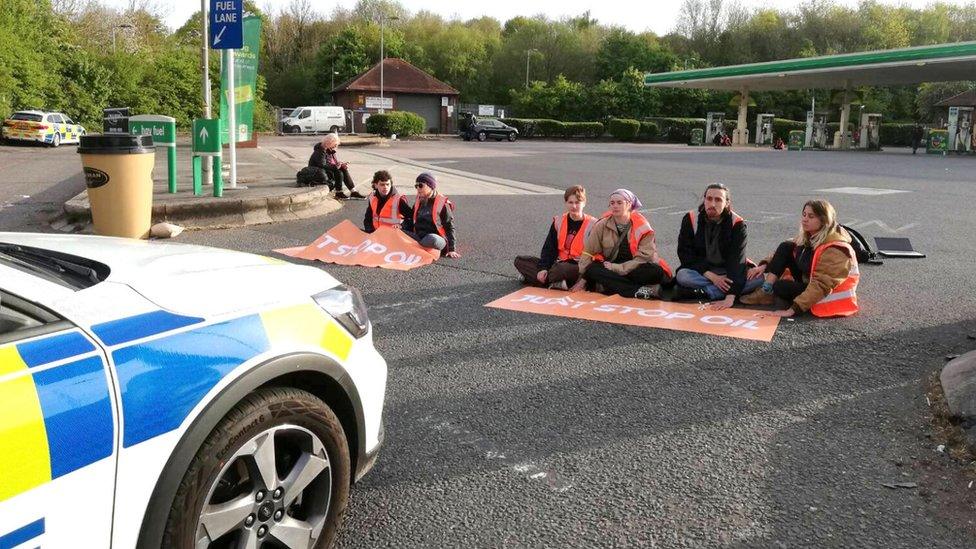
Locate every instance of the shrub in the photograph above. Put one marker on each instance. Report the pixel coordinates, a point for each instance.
(677, 130)
(401, 123)
(783, 126)
(550, 128)
(525, 126)
(624, 129)
(648, 131)
(583, 129)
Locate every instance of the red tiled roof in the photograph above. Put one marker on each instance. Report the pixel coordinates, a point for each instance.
(398, 76)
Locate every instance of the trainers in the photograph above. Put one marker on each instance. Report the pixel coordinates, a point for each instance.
(682, 293)
(356, 194)
(757, 297)
(561, 285)
(340, 195)
(648, 292)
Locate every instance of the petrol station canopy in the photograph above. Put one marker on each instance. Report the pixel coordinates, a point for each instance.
(938, 63)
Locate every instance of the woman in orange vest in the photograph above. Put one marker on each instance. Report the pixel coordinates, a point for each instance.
(386, 206)
(822, 267)
(432, 223)
(558, 266)
(620, 253)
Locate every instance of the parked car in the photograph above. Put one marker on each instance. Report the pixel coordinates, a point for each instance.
(483, 128)
(315, 120)
(162, 395)
(51, 128)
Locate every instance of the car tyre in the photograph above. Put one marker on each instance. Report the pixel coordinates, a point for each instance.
(294, 129)
(284, 437)
(482, 136)
(56, 140)
(512, 136)
(334, 129)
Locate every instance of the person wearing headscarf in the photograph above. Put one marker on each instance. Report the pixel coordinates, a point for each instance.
(620, 253)
(324, 156)
(822, 268)
(433, 217)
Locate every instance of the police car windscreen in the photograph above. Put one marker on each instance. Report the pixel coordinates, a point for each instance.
(29, 116)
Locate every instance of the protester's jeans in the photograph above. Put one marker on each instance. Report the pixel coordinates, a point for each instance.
(561, 271)
(340, 176)
(645, 274)
(690, 278)
(431, 240)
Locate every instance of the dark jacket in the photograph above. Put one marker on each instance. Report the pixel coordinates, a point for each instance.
(425, 222)
(732, 243)
(550, 248)
(405, 210)
(323, 158)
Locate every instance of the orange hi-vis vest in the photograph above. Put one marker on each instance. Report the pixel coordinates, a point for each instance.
(693, 214)
(389, 214)
(439, 202)
(575, 248)
(639, 228)
(842, 300)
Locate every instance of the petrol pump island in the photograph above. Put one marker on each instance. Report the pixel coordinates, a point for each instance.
(844, 73)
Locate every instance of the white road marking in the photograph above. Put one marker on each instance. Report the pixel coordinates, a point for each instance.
(866, 191)
(882, 225)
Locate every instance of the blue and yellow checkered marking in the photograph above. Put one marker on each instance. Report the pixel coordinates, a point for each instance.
(58, 419)
(22, 535)
(52, 421)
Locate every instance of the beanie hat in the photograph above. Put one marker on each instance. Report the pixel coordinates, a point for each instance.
(428, 179)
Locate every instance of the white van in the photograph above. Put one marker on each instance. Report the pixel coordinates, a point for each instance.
(315, 120)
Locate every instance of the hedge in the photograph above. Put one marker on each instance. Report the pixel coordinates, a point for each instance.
(401, 123)
(624, 129)
(648, 131)
(677, 130)
(529, 127)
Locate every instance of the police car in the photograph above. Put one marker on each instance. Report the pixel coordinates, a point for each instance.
(165, 395)
(52, 128)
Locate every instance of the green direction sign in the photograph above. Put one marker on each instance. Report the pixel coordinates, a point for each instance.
(245, 85)
(206, 136)
(161, 128)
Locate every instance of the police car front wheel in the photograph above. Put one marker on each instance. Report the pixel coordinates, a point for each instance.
(56, 140)
(274, 473)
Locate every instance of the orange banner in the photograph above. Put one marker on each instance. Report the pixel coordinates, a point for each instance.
(345, 244)
(686, 317)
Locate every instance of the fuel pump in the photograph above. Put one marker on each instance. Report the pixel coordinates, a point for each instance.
(816, 136)
(764, 129)
(961, 129)
(714, 125)
(871, 131)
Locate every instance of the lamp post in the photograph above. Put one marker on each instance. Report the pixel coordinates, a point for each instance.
(527, 52)
(333, 66)
(122, 26)
(383, 19)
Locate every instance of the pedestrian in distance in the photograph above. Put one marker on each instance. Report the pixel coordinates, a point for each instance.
(917, 133)
(822, 268)
(620, 253)
(558, 264)
(432, 223)
(712, 249)
(386, 206)
(324, 156)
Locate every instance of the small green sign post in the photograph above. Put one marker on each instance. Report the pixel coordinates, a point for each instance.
(206, 142)
(162, 129)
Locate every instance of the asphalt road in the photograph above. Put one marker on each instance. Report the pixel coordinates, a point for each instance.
(507, 429)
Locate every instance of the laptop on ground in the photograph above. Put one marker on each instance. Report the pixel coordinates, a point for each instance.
(896, 247)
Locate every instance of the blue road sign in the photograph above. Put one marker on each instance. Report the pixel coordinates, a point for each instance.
(226, 24)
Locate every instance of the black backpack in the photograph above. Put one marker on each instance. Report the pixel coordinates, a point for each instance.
(310, 176)
(862, 249)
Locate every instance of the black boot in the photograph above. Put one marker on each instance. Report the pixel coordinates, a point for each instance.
(682, 293)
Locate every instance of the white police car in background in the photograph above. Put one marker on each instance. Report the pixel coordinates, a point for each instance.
(165, 395)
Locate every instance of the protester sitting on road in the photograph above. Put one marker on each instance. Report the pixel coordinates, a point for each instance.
(324, 156)
(433, 217)
(822, 266)
(778, 144)
(386, 205)
(620, 254)
(558, 266)
(712, 250)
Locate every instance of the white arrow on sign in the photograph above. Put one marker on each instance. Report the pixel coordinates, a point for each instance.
(203, 134)
(219, 34)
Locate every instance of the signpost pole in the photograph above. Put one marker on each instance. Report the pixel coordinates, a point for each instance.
(232, 118)
(205, 17)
